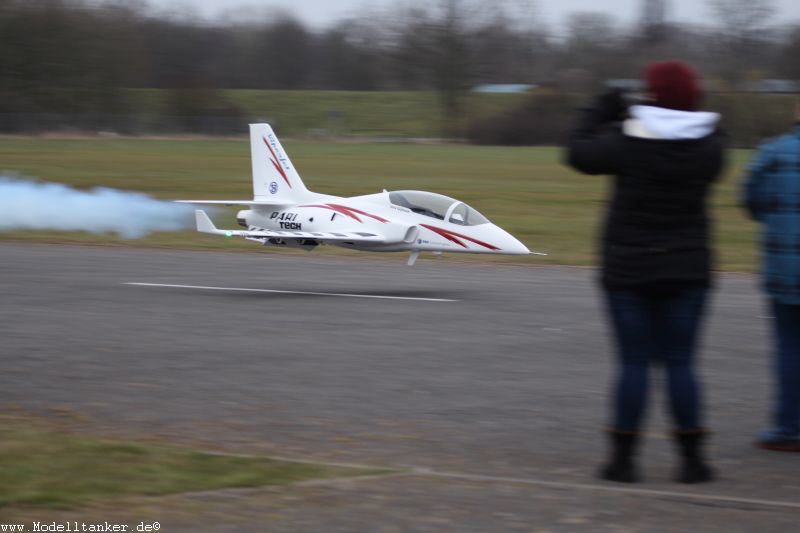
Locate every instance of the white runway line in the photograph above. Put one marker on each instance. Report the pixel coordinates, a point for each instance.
(678, 495)
(421, 471)
(276, 291)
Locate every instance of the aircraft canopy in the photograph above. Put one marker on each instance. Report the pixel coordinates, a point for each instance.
(438, 206)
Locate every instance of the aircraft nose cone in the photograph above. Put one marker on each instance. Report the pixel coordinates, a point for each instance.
(510, 244)
(520, 248)
(517, 248)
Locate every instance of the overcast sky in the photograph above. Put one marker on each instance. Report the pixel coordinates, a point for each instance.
(320, 13)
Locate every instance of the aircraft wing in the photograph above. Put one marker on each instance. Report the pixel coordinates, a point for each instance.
(205, 225)
(228, 202)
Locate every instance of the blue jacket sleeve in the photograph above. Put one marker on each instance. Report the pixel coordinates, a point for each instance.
(754, 191)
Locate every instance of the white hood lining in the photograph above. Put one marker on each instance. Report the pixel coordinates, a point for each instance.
(650, 122)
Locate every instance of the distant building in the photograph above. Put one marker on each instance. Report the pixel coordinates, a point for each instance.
(770, 86)
(506, 88)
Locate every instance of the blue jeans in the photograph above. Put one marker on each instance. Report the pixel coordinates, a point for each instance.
(787, 368)
(656, 327)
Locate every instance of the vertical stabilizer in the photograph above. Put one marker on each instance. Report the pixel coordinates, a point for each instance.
(274, 176)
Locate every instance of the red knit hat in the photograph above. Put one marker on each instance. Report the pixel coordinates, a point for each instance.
(674, 85)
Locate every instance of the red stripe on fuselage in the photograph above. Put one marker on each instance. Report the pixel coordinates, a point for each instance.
(332, 208)
(347, 211)
(360, 212)
(451, 236)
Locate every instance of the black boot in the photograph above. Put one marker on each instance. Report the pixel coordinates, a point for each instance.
(693, 468)
(621, 467)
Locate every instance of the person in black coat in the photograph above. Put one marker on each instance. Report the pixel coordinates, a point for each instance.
(663, 155)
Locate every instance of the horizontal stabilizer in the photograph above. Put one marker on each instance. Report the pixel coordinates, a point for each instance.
(204, 224)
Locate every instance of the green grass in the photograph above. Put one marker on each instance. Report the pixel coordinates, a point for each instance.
(525, 190)
(42, 467)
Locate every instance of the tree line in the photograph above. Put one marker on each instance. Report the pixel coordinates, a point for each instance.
(82, 56)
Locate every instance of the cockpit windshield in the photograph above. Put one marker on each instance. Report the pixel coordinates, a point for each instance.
(438, 206)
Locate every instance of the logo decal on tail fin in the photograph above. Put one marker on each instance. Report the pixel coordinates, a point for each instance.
(274, 160)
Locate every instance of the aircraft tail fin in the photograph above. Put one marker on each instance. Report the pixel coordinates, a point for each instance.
(274, 177)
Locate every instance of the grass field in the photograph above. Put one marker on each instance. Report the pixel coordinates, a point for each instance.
(526, 190)
(43, 466)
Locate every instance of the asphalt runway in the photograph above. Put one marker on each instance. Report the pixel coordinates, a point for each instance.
(485, 382)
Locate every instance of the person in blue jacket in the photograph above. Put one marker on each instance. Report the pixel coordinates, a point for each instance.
(772, 197)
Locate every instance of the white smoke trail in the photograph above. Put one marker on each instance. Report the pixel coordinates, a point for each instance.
(35, 205)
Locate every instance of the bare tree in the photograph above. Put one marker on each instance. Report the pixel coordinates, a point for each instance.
(742, 19)
(349, 56)
(654, 21)
(281, 53)
(451, 57)
(596, 48)
(741, 25)
(433, 49)
(788, 65)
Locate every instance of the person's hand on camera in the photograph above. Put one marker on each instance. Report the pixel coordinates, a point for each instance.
(612, 105)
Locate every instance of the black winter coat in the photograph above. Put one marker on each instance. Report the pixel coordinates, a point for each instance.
(656, 231)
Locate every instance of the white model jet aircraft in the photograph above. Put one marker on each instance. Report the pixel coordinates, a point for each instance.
(284, 213)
